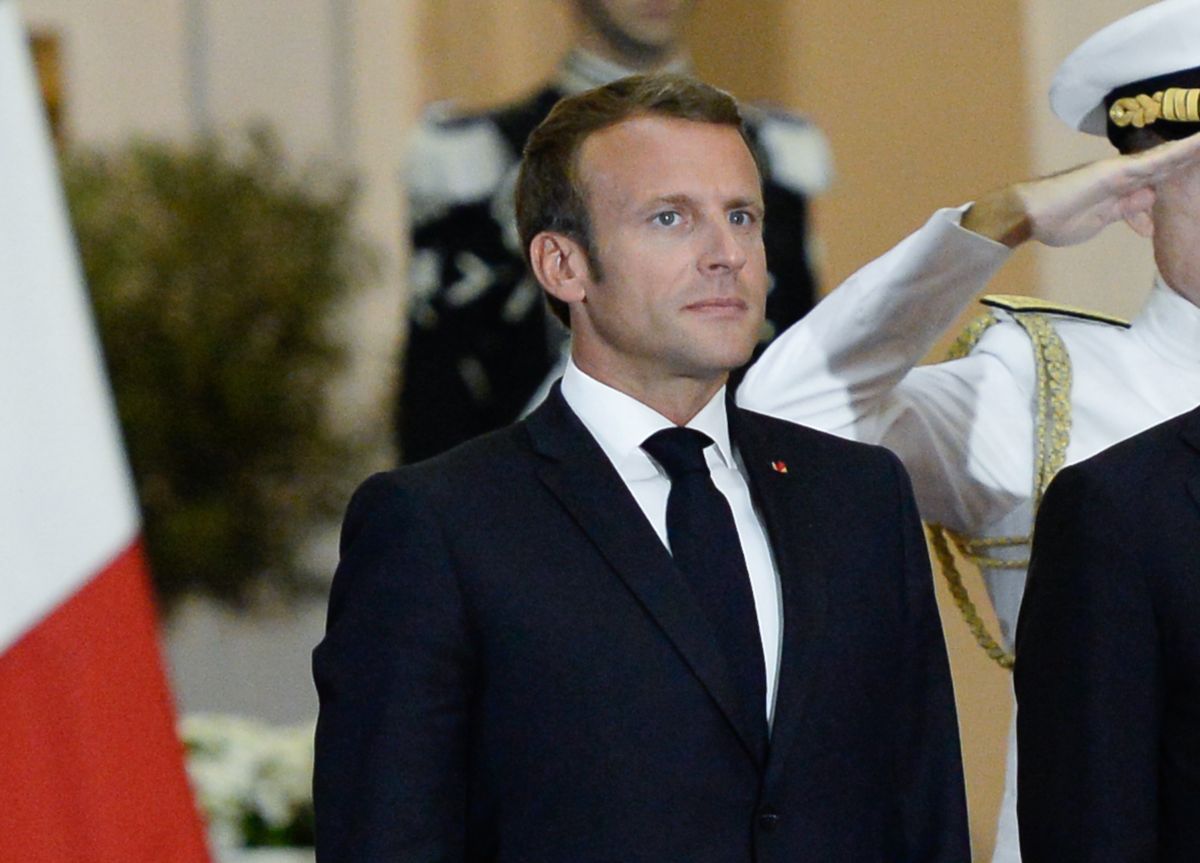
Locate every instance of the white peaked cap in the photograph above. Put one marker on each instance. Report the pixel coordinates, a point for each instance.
(1157, 40)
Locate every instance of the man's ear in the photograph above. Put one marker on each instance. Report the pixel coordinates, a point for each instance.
(560, 266)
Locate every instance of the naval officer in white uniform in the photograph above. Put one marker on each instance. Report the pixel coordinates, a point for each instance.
(1040, 386)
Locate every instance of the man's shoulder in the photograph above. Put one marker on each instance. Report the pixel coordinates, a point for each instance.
(1053, 327)
(480, 459)
(459, 491)
(1032, 337)
(1134, 487)
(1147, 457)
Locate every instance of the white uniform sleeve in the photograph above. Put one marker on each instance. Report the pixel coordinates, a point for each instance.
(963, 429)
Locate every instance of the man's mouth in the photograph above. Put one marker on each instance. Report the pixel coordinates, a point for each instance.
(718, 305)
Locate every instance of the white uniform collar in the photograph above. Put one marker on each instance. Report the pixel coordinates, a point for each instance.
(1171, 325)
(582, 70)
(620, 423)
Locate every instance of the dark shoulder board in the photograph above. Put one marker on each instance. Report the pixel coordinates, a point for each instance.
(1018, 304)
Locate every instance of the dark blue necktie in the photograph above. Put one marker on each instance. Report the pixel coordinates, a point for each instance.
(704, 543)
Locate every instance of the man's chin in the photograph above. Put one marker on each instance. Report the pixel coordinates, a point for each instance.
(724, 362)
(732, 343)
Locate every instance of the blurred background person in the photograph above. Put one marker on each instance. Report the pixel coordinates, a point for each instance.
(480, 340)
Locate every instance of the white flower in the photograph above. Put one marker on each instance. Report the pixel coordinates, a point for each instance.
(242, 769)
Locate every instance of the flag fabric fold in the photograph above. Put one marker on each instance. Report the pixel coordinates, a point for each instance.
(91, 767)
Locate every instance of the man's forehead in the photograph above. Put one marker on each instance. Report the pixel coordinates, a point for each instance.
(652, 155)
(649, 130)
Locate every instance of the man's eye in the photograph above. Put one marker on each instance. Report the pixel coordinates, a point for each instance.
(667, 218)
(741, 218)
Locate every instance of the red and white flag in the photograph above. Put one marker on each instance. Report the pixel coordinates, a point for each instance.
(91, 768)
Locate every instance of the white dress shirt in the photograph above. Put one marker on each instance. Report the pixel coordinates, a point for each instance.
(620, 424)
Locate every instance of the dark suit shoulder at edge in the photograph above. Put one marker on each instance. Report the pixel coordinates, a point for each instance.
(486, 452)
(1153, 449)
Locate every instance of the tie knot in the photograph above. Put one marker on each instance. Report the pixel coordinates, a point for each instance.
(679, 450)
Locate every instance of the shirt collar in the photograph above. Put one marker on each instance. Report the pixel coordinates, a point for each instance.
(1171, 324)
(620, 423)
(582, 70)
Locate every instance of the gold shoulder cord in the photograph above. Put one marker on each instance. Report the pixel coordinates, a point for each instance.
(1052, 432)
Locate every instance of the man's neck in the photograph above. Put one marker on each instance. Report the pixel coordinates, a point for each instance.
(677, 398)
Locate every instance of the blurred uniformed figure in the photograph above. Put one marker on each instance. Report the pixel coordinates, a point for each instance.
(480, 340)
(1037, 386)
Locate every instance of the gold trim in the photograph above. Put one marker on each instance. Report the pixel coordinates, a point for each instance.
(1053, 428)
(970, 336)
(940, 536)
(1052, 433)
(941, 549)
(1023, 303)
(1175, 104)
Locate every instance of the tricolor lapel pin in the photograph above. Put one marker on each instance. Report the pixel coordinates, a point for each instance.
(779, 466)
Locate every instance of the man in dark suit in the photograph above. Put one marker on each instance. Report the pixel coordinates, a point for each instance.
(641, 624)
(1108, 658)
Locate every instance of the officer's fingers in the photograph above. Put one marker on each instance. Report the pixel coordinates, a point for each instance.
(1136, 210)
(1142, 223)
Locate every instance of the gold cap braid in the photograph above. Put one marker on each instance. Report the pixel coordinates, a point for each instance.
(1176, 104)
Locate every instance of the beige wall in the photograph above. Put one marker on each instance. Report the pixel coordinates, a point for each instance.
(922, 104)
(105, 99)
(481, 52)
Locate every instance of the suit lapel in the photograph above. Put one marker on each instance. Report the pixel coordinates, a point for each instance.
(576, 471)
(1191, 434)
(780, 478)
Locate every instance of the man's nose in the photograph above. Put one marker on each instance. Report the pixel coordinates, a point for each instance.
(724, 248)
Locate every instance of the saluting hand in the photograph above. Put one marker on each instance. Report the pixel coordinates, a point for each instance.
(1073, 206)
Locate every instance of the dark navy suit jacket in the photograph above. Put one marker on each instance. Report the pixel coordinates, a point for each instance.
(514, 670)
(1108, 658)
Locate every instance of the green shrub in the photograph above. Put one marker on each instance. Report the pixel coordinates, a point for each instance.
(214, 273)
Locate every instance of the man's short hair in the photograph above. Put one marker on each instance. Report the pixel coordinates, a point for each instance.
(550, 195)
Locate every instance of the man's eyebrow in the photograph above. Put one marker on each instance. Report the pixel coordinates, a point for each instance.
(681, 198)
(745, 203)
(677, 198)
